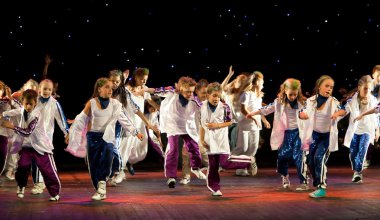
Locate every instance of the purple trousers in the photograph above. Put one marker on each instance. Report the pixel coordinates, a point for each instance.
(214, 160)
(3, 152)
(171, 159)
(46, 165)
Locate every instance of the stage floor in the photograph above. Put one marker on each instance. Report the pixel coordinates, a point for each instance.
(146, 196)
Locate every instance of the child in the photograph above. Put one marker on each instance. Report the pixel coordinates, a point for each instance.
(215, 119)
(102, 111)
(52, 110)
(321, 132)
(178, 119)
(360, 133)
(201, 95)
(35, 145)
(249, 129)
(6, 103)
(287, 130)
(154, 137)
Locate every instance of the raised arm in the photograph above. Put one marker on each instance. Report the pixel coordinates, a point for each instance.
(227, 79)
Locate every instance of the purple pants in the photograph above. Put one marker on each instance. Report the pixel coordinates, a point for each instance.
(171, 159)
(214, 160)
(46, 165)
(3, 152)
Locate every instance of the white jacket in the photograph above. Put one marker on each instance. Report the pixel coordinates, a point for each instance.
(352, 107)
(280, 122)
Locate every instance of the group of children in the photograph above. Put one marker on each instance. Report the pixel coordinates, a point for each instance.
(220, 128)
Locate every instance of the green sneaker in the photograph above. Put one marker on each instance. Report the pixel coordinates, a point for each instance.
(318, 193)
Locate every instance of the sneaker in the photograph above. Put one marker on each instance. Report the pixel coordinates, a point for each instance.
(199, 174)
(303, 187)
(10, 175)
(119, 177)
(184, 181)
(54, 198)
(221, 169)
(130, 169)
(285, 181)
(98, 196)
(366, 164)
(253, 167)
(171, 183)
(320, 192)
(101, 187)
(20, 192)
(111, 182)
(217, 193)
(242, 172)
(38, 188)
(357, 178)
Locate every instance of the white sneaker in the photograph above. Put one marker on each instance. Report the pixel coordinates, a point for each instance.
(54, 198)
(303, 187)
(119, 177)
(38, 188)
(10, 175)
(357, 178)
(20, 192)
(102, 187)
(184, 181)
(98, 196)
(171, 183)
(285, 181)
(221, 169)
(199, 174)
(366, 164)
(217, 193)
(241, 172)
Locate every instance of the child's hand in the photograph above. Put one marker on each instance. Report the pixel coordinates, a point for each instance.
(266, 124)
(140, 136)
(70, 121)
(67, 138)
(8, 124)
(154, 128)
(212, 125)
(149, 90)
(303, 116)
(204, 144)
(335, 116)
(358, 118)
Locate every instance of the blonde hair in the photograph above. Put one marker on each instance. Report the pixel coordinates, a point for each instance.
(215, 86)
(7, 91)
(98, 84)
(319, 82)
(257, 75)
(292, 84)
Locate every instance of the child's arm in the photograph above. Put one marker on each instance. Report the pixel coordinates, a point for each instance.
(227, 79)
(61, 119)
(146, 121)
(265, 121)
(127, 124)
(371, 111)
(22, 131)
(202, 138)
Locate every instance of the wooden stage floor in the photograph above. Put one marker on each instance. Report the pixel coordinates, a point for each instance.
(146, 196)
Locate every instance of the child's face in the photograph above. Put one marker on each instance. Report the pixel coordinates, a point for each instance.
(326, 88)
(260, 84)
(29, 104)
(214, 97)
(106, 90)
(116, 80)
(141, 80)
(46, 89)
(365, 89)
(291, 94)
(187, 92)
(376, 76)
(202, 93)
(2, 92)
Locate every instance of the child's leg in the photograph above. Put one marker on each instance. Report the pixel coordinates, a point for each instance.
(193, 149)
(3, 152)
(171, 158)
(213, 178)
(185, 163)
(23, 168)
(46, 164)
(285, 152)
(320, 158)
(362, 151)
(227, 164)
(299, 158)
